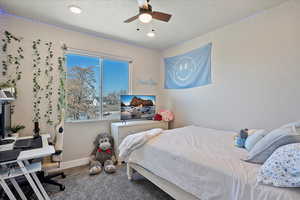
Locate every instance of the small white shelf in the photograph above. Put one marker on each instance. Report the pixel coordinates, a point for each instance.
(14, 172)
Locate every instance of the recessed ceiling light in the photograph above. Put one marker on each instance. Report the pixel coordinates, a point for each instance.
(151, 34)
(75, 9)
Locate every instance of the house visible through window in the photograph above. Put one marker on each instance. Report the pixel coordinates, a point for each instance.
(94, 86)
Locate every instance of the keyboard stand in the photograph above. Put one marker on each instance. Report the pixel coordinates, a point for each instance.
(18, 171)
(28, 170)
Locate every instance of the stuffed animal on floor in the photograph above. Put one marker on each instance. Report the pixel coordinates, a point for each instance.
(103, 155)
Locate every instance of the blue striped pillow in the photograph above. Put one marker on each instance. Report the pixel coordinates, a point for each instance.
(264, 148)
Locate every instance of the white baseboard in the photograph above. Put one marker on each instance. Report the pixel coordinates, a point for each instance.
(72, 164)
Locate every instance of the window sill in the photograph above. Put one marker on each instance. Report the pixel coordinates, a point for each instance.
(92, 121)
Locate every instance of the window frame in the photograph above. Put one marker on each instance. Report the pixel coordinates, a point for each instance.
(101, 57)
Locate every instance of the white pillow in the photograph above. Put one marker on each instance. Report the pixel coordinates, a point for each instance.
(282, 168)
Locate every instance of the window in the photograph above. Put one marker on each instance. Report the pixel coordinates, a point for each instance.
(94, 86)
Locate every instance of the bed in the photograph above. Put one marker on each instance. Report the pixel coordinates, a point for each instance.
(199, 163)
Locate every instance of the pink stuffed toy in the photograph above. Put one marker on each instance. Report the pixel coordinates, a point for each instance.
(166, 115)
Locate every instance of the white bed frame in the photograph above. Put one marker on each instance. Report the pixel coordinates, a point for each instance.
(173, 190)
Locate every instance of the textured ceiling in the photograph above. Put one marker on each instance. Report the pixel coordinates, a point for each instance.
(104, 18)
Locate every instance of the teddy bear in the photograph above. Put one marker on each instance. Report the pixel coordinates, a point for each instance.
(240, 139)
(166, 115)
(103, 155)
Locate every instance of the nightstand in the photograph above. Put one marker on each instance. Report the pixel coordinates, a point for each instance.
(120, 130)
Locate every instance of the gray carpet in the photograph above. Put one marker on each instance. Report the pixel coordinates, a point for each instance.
(80, 186)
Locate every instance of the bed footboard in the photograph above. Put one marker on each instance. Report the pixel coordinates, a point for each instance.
(171, 189)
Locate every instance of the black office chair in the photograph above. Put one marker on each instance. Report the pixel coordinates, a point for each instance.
(46, 178)
(54, 161)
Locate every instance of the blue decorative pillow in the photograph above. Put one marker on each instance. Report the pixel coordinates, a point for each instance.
(239, 142)
(264, 148)
(254, 138)
(282, 169)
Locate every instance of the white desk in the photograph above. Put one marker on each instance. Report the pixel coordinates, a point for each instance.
(28, 170)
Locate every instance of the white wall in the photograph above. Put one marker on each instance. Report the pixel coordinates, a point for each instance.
(78, 136)
(255, 71)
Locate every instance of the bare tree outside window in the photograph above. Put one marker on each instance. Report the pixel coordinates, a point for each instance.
(83, 103)
(84, 89)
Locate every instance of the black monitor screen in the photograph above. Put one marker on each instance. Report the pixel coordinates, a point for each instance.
(5, 119)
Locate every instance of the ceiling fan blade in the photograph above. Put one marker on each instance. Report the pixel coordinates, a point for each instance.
(161, 16)
(131, 19)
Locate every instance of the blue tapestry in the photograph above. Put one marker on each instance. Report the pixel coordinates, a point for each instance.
(192, 69)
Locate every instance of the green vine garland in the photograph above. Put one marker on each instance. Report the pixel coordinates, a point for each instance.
(11, 69)
(37, 98)
(61, 88)
(49, 89)
(12, 60)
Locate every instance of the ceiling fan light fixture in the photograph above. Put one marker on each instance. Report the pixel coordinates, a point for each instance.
(145, 17)
(75, 9)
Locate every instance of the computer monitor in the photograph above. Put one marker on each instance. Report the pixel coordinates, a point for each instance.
(5, 119)
(135, 107)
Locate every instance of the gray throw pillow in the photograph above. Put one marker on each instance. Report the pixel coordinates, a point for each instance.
(254, 138)
(264, 148)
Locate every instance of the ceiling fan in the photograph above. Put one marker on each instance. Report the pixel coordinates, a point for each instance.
(146, 14)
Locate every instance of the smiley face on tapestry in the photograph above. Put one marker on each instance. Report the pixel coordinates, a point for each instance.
(192, 69)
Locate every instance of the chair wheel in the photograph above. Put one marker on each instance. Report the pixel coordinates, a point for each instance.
(62, 188)
(63, 176)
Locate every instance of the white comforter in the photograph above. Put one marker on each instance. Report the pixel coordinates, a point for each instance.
(205, 163)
